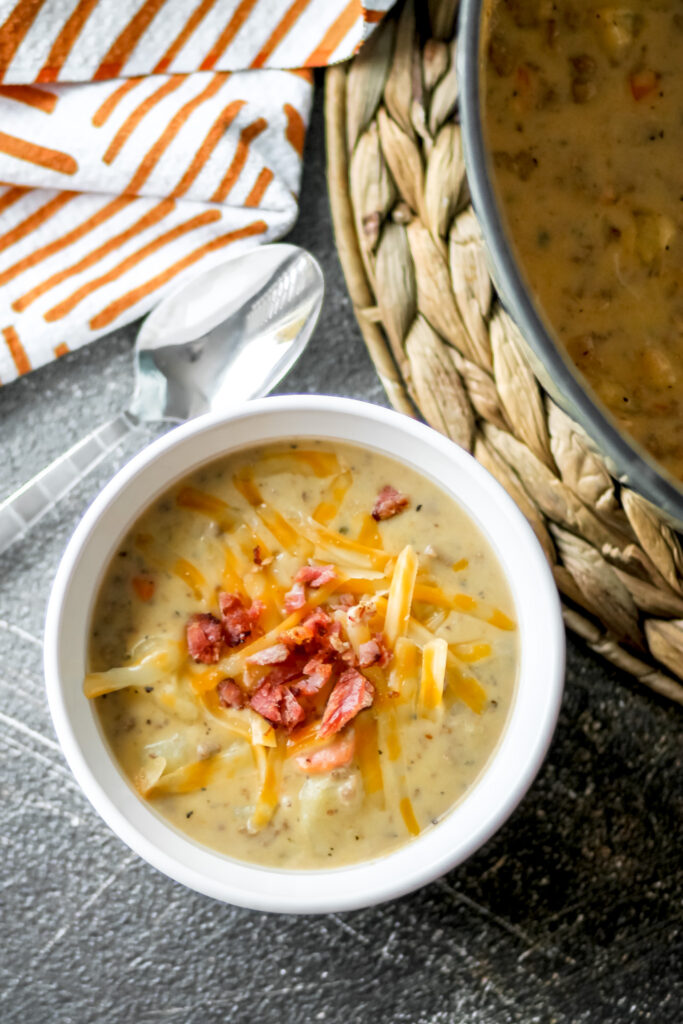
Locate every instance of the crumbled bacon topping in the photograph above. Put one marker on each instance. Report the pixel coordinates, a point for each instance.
(258, 557)
(364, 610)
(230, 694)
(278, 705)
(316, 674)
(270, 655)
(238, 621)
(351, 694)
(295, 598)
(316, 576)
(309, 669)
(374, 652)
(204, 638)
(388, 503)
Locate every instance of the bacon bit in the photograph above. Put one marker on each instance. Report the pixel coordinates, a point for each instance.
(351, 694)
(364, 610)
(270, 655)
(643, 83)
(204, 638)
(278, 705)
(256, 610)
(389, 503)
(295, 598)
(319, 623)
(286, 671)
(333, 639)
(316, 575)
(314, 627)
(258, 558)
(143, 587)
(229, 694)
(345, 600)
(374, 652)
(292, 712)
(336, 755)
(316, 674)
(237, 620)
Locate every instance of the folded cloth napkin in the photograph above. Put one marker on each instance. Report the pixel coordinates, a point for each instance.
(136, 139)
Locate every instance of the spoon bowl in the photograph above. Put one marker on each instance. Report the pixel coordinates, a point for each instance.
(225, 336)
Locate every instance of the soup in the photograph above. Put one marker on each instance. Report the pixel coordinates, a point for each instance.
(303, 655)
(584, 121)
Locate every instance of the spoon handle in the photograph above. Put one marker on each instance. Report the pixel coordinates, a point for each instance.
(23, 508)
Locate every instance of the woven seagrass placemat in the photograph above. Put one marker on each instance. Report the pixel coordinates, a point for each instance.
(444, 348)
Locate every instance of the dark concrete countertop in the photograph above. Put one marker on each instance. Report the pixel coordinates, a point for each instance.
(571, 913)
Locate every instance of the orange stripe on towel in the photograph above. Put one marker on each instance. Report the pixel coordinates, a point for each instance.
(148, 220)
(65, 307)
(122, 47)
(260, 185)
(155, 153)
(228, 34)
(213, 137)
(63, 44)
(14, 28)
(41, 99)
(52, 159)
(284, 27)
(104, 112)
(17, 350)
(374, 17)
(247, 135)
(61, 349)
(296, 128)
(136, 116)
(12, 196)
(38, 255)
(176, 46)
(114, 309)
(38, 217)
(335, 34)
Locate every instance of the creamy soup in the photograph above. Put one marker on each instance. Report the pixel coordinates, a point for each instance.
(303, 655)
(584, 118)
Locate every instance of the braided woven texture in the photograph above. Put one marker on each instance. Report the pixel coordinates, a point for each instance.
(444, 348)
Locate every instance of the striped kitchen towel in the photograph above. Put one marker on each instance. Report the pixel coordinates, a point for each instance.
(138, 137)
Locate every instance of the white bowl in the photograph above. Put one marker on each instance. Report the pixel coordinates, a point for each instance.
(514, 762)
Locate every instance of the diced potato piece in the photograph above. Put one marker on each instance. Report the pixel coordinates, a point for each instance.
(173, 750)
(659, 370)
(617, 31)
(334, 795)
(653, 234)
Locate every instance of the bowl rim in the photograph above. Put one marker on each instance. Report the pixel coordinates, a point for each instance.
(632, 463)
(526, 735)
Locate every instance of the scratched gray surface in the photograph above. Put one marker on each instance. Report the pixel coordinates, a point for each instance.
(571, 913)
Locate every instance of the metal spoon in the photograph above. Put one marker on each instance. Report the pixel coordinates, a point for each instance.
(228, 335)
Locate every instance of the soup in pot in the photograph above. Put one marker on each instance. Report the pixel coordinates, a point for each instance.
(584, 122)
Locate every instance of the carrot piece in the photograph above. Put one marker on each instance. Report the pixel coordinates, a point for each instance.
(643, 83)
(143, 587)
(334, 755)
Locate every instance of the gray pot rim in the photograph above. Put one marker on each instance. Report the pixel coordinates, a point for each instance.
(629, 462)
